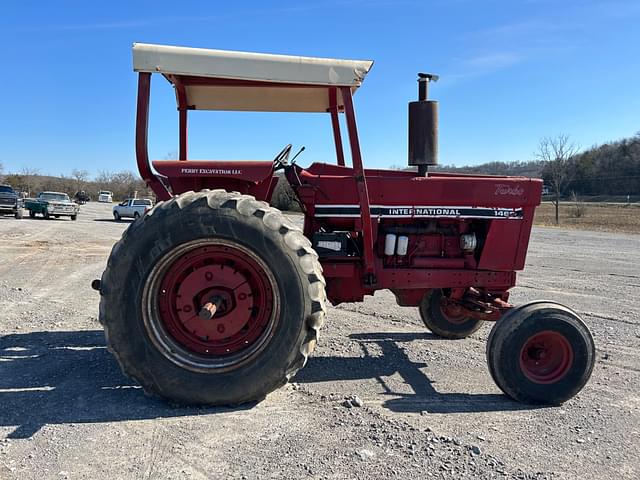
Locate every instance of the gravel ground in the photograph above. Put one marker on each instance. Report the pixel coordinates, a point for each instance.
(424, 408)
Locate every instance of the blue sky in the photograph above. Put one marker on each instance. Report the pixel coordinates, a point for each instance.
(511, 72)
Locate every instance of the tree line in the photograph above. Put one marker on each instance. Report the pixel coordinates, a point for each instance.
(530, 168)
(123, 184)
(609, 169)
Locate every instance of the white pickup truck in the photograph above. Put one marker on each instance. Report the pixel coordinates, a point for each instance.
(105, 196)
(132, 208)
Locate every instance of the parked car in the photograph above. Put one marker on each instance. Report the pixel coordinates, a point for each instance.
(10, 201)
(132, 208)
(105, 196)
(52, 204)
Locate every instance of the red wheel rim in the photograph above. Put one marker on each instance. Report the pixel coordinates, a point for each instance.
(546, 357)
(204, 271)
(453, 312)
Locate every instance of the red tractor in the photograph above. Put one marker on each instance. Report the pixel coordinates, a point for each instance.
(214, 297)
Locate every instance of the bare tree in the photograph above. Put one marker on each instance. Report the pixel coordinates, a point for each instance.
(1, 172)
(556, 153)
(81, 177)
(123, 184)
(28, 175)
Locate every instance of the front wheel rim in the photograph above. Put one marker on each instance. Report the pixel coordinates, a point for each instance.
(452, 313)
(195, 273)
(546, 357)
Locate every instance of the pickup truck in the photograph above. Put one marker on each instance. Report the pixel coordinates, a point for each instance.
(52, 204)
(105, 196)
(10, 202)
(132, 208)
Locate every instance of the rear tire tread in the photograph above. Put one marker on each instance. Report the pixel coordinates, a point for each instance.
(247, 206)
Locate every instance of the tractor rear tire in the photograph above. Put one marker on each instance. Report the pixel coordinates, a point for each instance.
(442, 324)
(540, 353)
(212, 246)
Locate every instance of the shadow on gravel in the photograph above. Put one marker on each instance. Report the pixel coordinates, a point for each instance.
(70, 377)
(40, 218)
(394, 360)
(111, 220)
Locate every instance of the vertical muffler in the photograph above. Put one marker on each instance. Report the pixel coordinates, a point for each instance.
(423, 127)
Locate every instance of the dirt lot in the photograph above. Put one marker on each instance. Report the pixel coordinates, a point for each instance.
(430, 406)
(600, 216)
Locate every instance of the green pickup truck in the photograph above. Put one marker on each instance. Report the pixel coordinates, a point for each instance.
(52, 204)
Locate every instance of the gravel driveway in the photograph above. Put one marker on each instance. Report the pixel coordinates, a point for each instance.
(428, 407)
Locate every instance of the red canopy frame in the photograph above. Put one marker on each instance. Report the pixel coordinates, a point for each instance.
(156, 183)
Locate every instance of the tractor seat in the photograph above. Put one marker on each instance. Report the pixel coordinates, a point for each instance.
(244, 170)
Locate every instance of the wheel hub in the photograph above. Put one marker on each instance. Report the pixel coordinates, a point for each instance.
(546, 357)
(232, 282)
(452, 311)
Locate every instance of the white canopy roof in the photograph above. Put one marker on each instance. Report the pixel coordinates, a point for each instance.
(303, 76)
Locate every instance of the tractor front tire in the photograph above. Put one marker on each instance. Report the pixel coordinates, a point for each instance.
(198, 250)
(540, 353)
(443, 322)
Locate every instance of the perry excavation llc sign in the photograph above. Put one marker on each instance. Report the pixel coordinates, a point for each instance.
(211, 171)
(419, 212)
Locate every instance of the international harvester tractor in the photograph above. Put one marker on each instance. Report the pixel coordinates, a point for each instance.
(214, 297)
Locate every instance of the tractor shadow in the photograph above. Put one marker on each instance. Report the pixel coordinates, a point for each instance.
(395, 361)
(70, 377)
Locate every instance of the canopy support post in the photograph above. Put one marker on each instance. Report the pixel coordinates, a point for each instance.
(181, 96)
(142, 136)
(361, 186)
(335, 123)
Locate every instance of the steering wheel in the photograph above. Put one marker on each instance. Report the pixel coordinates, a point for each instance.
(282, 157)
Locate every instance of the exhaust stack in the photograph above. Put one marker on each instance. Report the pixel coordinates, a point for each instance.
(423, 127)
